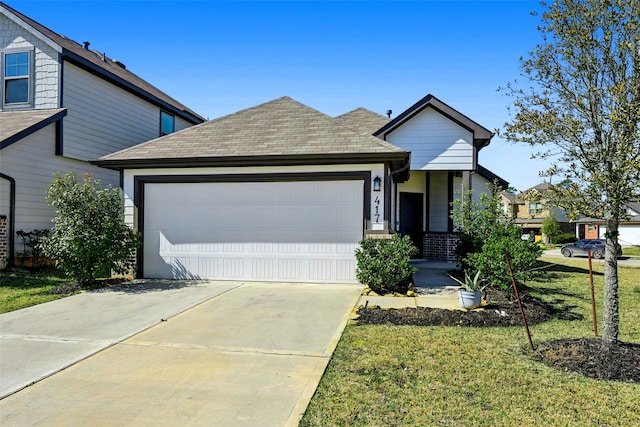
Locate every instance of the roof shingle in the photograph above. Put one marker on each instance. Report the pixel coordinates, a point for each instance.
(362, 120)
(18, 124)
(282, 127)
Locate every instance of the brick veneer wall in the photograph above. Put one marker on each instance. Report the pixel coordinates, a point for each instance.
(440, 246)
(4, 240)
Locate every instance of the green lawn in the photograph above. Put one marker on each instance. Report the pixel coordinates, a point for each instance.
(631, 250)
(432, 376)
(21, 288)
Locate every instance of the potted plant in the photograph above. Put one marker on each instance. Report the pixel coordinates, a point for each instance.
(470, 294)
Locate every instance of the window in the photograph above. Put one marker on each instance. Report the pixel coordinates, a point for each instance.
(16, 75)
(535, 208)
(167, 123)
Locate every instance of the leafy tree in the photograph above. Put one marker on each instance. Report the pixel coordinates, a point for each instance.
(551, 228)
(486, 234)
(583, 106)
(89, 236)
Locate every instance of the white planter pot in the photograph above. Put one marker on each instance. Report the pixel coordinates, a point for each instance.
(469, 299)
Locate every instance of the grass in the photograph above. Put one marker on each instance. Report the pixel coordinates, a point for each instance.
(23, 288)
(384, 375)
(631, 251)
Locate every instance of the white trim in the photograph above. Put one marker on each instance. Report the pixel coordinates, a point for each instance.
(55, 46)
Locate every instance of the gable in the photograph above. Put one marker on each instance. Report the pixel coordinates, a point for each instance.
(435, 142)
(15, 38)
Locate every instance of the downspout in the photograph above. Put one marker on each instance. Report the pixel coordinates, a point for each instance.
(395, 191)
(12, 217)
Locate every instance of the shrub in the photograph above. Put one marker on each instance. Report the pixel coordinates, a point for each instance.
(486, 235)
(383, 264)
(564, 238)
(490, 260)
(89, 238)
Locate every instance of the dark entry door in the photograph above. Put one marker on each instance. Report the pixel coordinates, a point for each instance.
(411, 217)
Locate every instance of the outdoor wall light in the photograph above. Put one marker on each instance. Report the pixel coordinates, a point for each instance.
(377, 182)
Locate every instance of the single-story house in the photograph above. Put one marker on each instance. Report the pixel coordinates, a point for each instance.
(282, 192)
(629, 228)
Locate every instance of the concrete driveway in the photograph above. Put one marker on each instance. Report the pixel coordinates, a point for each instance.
(171, 353)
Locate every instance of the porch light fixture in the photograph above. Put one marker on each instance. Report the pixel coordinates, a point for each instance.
(377, 182)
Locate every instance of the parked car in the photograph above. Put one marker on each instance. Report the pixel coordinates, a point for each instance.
(582, 247)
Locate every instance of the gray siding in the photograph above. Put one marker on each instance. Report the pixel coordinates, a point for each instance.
(435, 142)
(182, 124)
(438, 201)
(47, 69)
(102, 118)
(32, 163)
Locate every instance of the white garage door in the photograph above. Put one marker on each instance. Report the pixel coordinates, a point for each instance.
(298, 231)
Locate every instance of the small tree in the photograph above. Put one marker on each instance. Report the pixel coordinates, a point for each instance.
(89, 236)
(551, 228)
(582, 103)
(486, 234)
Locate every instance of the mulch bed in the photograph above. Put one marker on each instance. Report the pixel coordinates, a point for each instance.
(587, 357)
(503, 310)
(583, 356)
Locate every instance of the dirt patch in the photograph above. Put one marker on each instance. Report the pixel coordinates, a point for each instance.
(584, 356)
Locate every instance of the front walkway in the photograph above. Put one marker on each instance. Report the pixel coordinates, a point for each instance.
(434, 288)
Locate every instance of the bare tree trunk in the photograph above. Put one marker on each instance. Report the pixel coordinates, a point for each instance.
(610, 320)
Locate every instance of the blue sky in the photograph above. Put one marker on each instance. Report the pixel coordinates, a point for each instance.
(220, 57)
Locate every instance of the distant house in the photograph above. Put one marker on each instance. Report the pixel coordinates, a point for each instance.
(531, 207)
(629, 228)
(283, 192)
(510, 204)
(62, 104)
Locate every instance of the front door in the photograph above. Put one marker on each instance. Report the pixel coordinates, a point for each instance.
(411, 218)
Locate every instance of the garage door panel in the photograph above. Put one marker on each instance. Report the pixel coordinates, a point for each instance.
(285, 231)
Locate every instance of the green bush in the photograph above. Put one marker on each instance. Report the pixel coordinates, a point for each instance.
(491, 261)
(486, 234)
(383, 264)
(89, 238)
(563, 238)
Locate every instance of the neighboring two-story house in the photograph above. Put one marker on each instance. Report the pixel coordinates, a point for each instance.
(531, 207)
(62, 104)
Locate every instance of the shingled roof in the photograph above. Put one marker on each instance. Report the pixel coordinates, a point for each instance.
(19, 124)
(279, 132)
(362, 120)
(107, 68)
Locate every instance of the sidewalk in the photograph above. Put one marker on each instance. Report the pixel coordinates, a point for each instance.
(434, 288)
